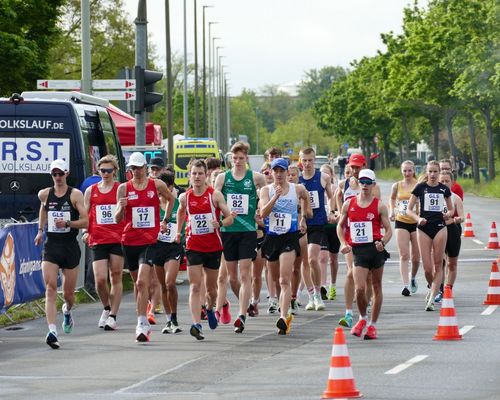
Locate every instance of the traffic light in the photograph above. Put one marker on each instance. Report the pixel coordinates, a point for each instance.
(144, 83)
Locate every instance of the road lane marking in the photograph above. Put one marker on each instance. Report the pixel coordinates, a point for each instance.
(464, 329)
(151, 378)
(401, 367)
(489, 310)
(478, 242)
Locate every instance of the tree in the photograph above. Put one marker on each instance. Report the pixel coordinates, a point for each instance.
(316, 83)
(28, 29)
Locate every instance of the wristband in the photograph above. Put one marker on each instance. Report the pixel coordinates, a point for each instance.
(40, 229)
(67, 224)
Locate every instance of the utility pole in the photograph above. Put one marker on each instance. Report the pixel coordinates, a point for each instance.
(170, 117)
(86, 57)
(141, 46)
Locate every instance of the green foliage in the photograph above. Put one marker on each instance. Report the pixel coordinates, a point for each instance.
(27, 31)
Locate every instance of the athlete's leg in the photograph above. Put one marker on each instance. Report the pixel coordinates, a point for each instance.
(360, 275)
(438, 246)
(195, 277)
(403, 240)
(378, 297)
(49, 271)
(116, 279)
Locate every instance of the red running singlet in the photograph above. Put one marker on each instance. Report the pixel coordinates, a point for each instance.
(200, 234)
(364, 223)
(142, 215)
(102, 227)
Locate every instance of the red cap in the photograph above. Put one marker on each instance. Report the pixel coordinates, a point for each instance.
(357, 160)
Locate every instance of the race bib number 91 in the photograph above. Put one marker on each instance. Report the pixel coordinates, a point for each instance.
(433, 202)
(238, 203)
(361, 232)
(280, 223)
(143, 217)
(201, 224)
(105, 214)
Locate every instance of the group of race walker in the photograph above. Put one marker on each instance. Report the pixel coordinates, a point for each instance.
(286, 223)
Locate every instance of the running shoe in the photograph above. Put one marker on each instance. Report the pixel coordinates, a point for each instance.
(371, 333)
(438, 297)
(282, 326)
(428, 296)
(212, 319)
(203, 313)
(175, 327)
(414, 286)
(332, 294)
(225, 316)
(151, 318)
(273, 305)
(319, 305)
(168, 328)
(357, 329)
(158, 309)
(430, 306)
(323, 293)
(310, 304)
(239, 324)
(252, 310)
(52, 341)
(110, 324)
(405, 292)
(103, 319)
(294, 305)
(288, 320)
(142, 333)
(196, 331)
(346, 320)
(68, 322)
(217, 315)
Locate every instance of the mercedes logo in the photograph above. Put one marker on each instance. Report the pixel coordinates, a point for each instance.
(15, 186)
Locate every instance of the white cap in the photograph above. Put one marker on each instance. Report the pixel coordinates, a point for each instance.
(59, 164)
(136, 159)
(366, 173)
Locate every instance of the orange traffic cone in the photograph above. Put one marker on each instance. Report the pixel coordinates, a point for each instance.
(468, 232)
(448, 325)
(493, 240)
(340, 379)
(493, 296)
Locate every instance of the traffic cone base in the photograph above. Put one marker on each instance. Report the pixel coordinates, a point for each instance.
(468, 232)
(340, 378)
(493, 295)
(493, 239)
(448, 325)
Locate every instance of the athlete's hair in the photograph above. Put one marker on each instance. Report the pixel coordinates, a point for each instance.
(240, 146)
(212, 163)
(347, 170)
(449, 173)
(307, 150)
(273, 151)
(329, 168)
(168, 177)
(108, 159)
(294, 168)
(214, 175)
(265, 166)
(198, 164)
(435, 163)
(411, 164)
(446, 161)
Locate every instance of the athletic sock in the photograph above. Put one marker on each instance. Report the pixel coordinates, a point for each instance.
(107, 308)
(52, 328)
(113, 316)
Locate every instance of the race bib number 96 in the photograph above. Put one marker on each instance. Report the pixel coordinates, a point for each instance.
(201, 224)
(143, 217)
(105, 214)
(361, 232)
(434, 202)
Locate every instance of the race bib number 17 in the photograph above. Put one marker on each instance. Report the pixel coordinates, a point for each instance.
(143, 217)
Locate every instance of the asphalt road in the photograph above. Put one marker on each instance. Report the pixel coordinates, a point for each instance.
(259, 364)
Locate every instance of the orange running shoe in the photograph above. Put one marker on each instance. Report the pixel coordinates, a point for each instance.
(371, 333)
(357, 330)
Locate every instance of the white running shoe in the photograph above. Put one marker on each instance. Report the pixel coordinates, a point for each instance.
(110, 324)
(142, 333)
(319, 304)
(310, 305)
(103, 319)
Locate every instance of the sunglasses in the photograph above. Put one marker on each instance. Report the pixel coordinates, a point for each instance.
(57, 173)
(106, 170)
(366, 182)
(267, 172)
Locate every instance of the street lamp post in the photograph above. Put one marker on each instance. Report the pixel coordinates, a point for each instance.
(196, 97)
(185, 103)
(204, 86)
(211, 66)
(256, 130)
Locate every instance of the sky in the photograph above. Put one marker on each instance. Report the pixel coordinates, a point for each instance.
(276, 41)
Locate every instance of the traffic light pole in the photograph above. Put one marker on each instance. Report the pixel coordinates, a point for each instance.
(141, 38)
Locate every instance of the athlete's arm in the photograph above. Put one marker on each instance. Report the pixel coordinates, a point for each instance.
(259, 180)
(384, 217)
(451, 211)
(376, 192)
(459, 207)
(220, 203)
(392, 201)
(305, 205)
(267, 204)
(219, 182)
(340, 195)
(78, 203)
(86, 203)
(345, 248)
(181, 216)
(42, 215)
(413, 214)
(121, 201)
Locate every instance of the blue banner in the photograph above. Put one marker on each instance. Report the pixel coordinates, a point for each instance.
(21, 277)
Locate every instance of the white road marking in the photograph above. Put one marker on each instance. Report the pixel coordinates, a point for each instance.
(489, 310)
(464, 329)
(478, 242)
(151, 378)
(401, 367)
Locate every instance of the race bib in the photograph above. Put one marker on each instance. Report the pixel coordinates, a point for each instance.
(361, 232)
(280, 223)
(105, 214)
(433, 202)
(314, 199)
(143, 217)
(403, 207)
(169, 235)
(238, 203)
(53, 217)
(201, 224)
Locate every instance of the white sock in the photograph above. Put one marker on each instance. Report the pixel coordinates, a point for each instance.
(52, 328)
